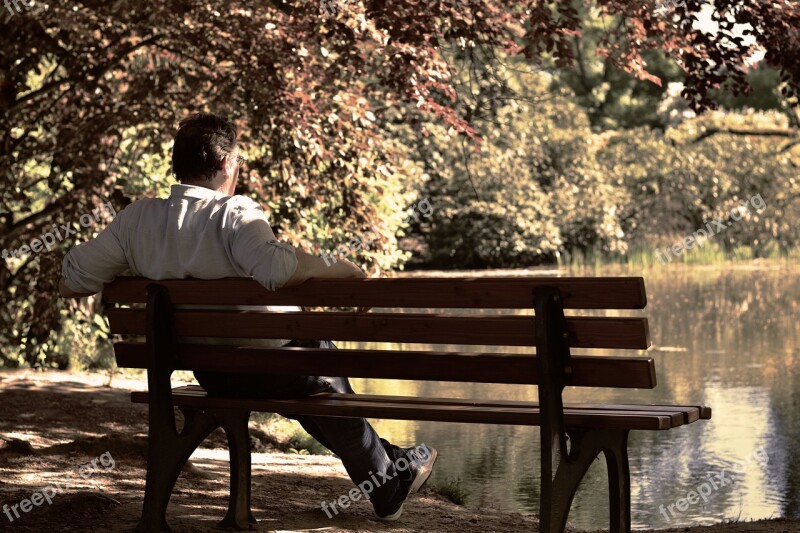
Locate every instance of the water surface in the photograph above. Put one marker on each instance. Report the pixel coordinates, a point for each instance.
(722, 336)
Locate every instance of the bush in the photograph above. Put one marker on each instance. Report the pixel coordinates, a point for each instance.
(548, 189)
(539, 192)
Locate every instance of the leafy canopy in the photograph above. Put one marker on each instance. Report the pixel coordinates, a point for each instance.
(91, 92)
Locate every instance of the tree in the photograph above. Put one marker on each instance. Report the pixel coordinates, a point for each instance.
(680, 182)
(539, 188)
(617, 99)
(315, 91)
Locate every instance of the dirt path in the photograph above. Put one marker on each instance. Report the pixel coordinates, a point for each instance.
(51, 424)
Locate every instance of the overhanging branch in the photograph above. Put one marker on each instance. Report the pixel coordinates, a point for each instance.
(756, 132)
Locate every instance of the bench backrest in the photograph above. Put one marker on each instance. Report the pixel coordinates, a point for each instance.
(413, 323)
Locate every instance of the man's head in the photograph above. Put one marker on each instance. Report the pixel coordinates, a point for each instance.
(206, 151)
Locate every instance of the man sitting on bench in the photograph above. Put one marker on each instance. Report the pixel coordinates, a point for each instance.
(203, 231)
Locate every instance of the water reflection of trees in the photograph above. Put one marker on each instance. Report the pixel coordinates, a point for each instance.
(725, 337)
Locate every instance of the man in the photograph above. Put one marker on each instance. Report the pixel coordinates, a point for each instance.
(203, 231)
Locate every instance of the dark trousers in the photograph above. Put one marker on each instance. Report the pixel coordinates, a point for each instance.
(365, 456)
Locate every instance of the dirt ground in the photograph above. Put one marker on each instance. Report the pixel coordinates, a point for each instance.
(51, 424)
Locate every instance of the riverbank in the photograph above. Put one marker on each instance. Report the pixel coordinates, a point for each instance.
(53, 423)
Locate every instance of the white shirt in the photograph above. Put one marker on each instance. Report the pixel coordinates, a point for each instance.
(196, 232)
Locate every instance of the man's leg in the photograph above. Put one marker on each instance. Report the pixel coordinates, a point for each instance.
(365, 456)
(313, 428)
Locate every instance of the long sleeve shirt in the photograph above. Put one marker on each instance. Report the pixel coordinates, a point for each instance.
(196, 232)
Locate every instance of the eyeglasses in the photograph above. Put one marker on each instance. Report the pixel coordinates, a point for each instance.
(241, 160)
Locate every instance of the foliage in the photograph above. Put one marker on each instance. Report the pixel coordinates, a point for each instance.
(91, 93)
(612, 97)
(548, 188)
(539, 191)
(681, 180)
(616, 99)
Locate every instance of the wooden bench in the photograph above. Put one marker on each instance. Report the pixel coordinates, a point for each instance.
(572, 435)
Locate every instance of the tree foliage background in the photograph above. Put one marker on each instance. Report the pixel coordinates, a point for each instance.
(535, 128)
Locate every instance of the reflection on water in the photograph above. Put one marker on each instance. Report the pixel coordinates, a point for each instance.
(723, 336)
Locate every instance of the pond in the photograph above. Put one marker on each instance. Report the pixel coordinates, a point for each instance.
(724, 336)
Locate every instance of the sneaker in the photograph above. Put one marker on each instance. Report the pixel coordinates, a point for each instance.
(421, 460)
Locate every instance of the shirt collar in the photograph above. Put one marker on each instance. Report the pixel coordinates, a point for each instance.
(194, 191)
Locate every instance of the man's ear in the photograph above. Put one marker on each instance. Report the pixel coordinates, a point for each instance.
(231, 163)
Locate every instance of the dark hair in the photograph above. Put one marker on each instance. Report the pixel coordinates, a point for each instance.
(201, 144)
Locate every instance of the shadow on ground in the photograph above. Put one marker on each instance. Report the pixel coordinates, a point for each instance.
(52, 424)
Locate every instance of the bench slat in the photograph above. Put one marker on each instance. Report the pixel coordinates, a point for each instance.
(584, 332)
(461, 292)
(516, 413)
(587, 371)
(688, 413)
(691, 413)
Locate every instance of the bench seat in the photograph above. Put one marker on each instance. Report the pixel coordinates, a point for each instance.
(576, 416)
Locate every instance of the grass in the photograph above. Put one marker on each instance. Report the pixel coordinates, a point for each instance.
(274, 431)
(656, 254)
(451, 489)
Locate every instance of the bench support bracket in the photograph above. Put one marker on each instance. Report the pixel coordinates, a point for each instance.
(167, 449)
(567, 455)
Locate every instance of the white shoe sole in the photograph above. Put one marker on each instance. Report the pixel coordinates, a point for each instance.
(425, 471)
(392, 517)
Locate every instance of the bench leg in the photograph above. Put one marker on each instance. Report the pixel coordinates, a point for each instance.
(167, 453)
(239, 515)
(619, 482)
(570, 468)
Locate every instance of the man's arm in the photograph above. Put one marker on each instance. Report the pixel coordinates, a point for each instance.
(259, 254)
(309, 266)
(89, 266)
(66, 292)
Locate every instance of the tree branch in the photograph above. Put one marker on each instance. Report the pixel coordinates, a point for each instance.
(17, 227)
(788, 146)
(756, 132)
(97, 71)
